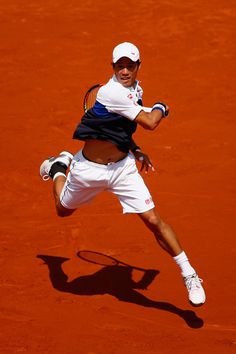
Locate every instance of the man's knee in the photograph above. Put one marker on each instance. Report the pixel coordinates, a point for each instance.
(153, 220)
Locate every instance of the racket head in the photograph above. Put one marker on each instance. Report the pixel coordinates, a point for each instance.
(97, 258)
(90, 97)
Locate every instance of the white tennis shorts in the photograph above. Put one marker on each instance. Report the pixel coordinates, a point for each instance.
(86, 179)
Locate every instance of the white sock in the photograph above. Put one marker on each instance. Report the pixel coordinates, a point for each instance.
(183, 262)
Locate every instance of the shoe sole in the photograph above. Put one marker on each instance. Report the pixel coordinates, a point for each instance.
(196, 305)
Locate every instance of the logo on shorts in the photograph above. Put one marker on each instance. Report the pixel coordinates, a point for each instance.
(148, 201)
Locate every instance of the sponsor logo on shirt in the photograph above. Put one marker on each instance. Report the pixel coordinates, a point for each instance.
(130, 96)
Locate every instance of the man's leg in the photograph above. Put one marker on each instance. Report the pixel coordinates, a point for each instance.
(167, 239)
(55, 168)
(163, 233)
(58, 184)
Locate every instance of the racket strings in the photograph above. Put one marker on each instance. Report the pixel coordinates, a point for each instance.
(90, 97)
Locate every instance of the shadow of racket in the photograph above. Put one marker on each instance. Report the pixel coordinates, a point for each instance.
(103, 259)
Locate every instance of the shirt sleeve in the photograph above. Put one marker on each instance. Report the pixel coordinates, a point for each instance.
(119, 100)
(147, 109)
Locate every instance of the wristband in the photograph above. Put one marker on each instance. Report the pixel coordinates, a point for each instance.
(161, 107)
(136, 148)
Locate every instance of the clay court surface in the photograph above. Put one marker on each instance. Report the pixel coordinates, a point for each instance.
(51, 52)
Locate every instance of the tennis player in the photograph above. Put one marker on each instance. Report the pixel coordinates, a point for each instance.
(107, 160)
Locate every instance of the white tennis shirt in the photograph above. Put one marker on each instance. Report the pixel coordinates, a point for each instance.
(125, 101)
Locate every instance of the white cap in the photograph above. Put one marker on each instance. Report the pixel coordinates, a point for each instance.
(125, 49)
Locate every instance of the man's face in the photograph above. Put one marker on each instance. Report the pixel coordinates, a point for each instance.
(126, 71)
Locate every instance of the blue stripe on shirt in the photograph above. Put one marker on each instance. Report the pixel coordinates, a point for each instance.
(100, 110)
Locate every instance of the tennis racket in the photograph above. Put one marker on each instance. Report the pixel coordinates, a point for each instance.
(103, 259)
(90, 97)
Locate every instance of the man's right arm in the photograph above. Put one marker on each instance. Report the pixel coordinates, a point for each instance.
(150, 120)
(116, 99)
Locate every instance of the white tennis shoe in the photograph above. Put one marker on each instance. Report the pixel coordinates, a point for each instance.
(196, 293)
(64, 158)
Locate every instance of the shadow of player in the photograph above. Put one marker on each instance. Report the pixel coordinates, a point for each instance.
(116, 281)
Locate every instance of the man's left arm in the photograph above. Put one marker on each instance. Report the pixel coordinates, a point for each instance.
(143, 158)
